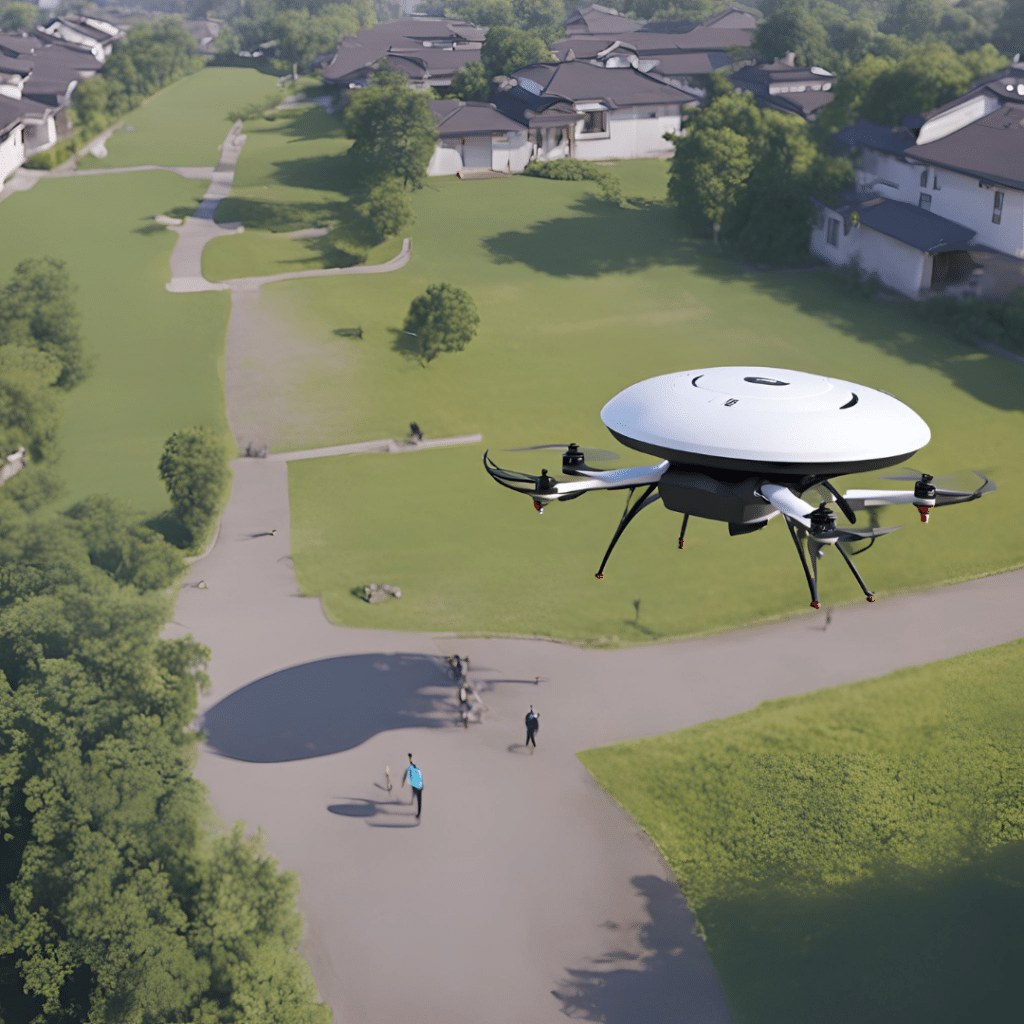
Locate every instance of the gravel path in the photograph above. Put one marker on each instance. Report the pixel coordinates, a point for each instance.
(525, 893)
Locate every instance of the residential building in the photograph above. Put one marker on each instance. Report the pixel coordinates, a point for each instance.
(939, 202)
(785, 86)
(598, 21)
(591, 112)
(92, 34)
(676, 51)
(477, 137)
(428, 50)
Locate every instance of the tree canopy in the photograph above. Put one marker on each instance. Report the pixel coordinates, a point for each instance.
(392, 129)
(194, 469)
(471, 82)
(443, 319)
(506, 50)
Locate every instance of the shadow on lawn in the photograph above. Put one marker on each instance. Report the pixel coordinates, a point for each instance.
(932, 947)
(323, 707)
(671, 982)
(603, 239)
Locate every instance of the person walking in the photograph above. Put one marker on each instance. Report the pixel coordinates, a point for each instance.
(532, 725)
(415, 777)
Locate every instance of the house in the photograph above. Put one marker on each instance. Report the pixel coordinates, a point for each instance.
(428, 50)
(785, 86)
(592, 112)
(674, 51)
(939, 202)
(95, 36)
(598, 21)
(477, 136)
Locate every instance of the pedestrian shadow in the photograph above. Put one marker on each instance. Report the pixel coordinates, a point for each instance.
(323, 707)
(670, 982)
(359, 807)
(517, 748)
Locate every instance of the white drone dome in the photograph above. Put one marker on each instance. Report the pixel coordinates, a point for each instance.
(760, 417)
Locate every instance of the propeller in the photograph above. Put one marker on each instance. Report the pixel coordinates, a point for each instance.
(827, 492)
(576, 454)
(947, 485)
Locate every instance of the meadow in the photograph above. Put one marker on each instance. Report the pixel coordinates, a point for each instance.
(578, 299)
(853, 854)
(157, 357)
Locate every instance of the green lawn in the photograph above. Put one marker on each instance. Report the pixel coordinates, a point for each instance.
(158, 356)
(856, 854)
(577, 300)
(184, 125)
(292, 174)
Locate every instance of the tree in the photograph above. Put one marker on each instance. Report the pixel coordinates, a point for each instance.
(506, 50)
(194, 470)
(487, 13)
(541, 16)
(444, 319)
(722, 164)
(1009, 33)
(29, 412)
(18, 17)
(793, 29)
(470, 82)
(393, 130)
(388, 207)
(37, 309)
(302, 36)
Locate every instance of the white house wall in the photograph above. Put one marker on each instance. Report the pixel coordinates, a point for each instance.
(959, 198)
(898, 266)
(632, 133)
(510, 153)
(447, 159)
(12, 153)
(507, 153)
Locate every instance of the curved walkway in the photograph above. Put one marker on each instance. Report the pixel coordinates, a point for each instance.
(526, 893)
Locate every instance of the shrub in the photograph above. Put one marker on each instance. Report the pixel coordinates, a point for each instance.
(52, 157)
(569, 169)
(194, 468)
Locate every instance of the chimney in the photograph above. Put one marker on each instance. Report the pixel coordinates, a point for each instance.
(790, 59)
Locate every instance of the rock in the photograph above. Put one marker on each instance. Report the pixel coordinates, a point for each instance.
(377, 593)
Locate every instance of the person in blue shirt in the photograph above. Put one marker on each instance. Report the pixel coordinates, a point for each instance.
(415, 777)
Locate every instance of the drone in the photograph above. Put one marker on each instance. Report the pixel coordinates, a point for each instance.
(744, 444)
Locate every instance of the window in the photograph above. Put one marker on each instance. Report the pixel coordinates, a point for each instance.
(924, 179)
(595, 122)
(925, 201)
(833, 232)
(997, 207)
(935, 183)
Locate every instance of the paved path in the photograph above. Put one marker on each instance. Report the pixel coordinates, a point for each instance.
(526, 893)
(388, 446)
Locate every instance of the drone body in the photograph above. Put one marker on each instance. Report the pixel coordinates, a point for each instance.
(741, 444)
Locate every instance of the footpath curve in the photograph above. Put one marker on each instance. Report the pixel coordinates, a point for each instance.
(526, 893)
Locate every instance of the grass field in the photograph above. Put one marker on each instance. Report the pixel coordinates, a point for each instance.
(157, 356)
(184, 125)
(292, 175)
(855, 854)
(577, 300)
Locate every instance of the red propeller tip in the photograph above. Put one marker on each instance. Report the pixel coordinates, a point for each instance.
(816, 604)
(599, 576)
(871, 599)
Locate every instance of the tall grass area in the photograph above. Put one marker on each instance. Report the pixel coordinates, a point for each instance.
(184, 125)
(854, 854)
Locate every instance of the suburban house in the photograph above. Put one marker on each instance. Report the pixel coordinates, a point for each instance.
(592, 112)
(598, 21)
(939, 205)
(38, 75)
(91, 34)
(477, 137)
(428, 50)
(785, 86)
(674, 51)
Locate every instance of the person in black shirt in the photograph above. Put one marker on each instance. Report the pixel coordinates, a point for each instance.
(532, 725)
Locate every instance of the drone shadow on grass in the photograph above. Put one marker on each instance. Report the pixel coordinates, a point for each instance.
(605, 239)
(323, 707)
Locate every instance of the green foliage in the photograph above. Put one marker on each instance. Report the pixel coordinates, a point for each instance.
(389, 208)
(506, 50)
(487, 13)
(1009, 32)
(37, 310)
(579, 170)
(302, 36)
(470, 82)
(116, 908)
(150, 57)
(392, 129)
(752, 173)
(194, 469)
(254, 110)
(18, 17)
(1013, 319)
(29, 408)
(901, 794)
(444, 319)
(794, 28)
(122, 547)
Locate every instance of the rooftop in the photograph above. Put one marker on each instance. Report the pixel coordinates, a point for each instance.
(456, 117)
(918, 228)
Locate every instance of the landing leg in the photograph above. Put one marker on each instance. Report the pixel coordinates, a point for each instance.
(812, 581)
(863, 586)
(647, 498)
(682, 532)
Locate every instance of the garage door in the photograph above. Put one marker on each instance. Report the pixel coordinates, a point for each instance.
(477, 151)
